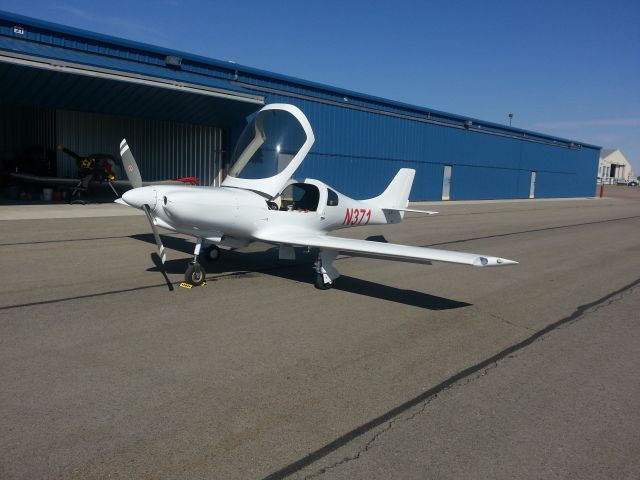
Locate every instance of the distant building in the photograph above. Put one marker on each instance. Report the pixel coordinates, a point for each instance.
(614, 166)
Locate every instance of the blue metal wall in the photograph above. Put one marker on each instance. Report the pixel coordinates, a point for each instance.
(361, 140)
(359, 152)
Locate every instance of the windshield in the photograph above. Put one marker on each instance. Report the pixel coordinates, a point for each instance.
(267, 145)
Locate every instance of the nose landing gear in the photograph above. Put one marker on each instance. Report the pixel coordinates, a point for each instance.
(195, 274)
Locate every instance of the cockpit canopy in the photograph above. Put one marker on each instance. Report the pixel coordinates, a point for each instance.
(270, 149)
(267, 145)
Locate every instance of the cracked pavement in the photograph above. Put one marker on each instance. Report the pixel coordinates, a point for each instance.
(564, 406)
(414, 371)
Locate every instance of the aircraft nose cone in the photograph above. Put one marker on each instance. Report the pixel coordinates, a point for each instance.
(141, 196)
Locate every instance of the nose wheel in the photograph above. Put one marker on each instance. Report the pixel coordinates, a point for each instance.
(195, 273)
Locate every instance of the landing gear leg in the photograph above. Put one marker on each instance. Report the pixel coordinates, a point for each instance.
(325, 271)
(114, 189)
(195, 273)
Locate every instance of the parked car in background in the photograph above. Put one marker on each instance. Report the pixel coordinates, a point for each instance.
(631, 182)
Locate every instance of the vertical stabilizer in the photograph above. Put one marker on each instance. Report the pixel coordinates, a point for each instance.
(396, 195)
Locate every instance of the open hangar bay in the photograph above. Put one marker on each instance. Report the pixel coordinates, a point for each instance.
(182, 113)
(400, 371)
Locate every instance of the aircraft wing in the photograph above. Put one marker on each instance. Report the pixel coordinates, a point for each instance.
(127, 183)
(27, 177)
(72, 182)
(390, 251)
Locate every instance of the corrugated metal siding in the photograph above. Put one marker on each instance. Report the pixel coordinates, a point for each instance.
(163, 149)
(141, 57)
(361, 140)
(156, 69)
(359, 152)
(21, 127)
(59, 89)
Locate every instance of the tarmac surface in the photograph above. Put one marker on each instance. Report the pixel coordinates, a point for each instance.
(108, 368)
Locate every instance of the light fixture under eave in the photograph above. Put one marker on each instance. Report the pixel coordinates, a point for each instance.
(172, 61)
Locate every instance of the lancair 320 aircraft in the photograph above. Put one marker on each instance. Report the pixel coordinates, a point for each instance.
(260, 201)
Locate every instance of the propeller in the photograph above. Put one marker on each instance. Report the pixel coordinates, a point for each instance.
(156, 235)
(130, 165)
(133, 174)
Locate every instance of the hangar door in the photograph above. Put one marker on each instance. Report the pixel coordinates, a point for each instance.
(446, 182)
(163, 149)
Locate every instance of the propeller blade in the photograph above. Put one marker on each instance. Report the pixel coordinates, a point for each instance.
(130, 165)
(133, 174)
(161, 254)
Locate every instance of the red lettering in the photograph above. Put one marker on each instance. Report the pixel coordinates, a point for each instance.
(364, 212)
(347, 216)
(357, 218)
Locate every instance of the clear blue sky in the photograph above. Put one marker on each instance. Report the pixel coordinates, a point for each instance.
(567, 68)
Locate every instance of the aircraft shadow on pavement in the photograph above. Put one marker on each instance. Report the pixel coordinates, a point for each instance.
(304, 274)
(398, 295)
(266, 262)
(174, 243)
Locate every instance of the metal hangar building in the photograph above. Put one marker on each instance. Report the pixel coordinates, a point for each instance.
(181, 114)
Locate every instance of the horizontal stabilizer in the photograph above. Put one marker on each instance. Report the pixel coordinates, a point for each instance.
(399, 209)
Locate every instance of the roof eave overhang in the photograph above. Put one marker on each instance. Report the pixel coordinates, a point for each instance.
(109, 74)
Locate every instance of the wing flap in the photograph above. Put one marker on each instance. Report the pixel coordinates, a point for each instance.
(384, 250)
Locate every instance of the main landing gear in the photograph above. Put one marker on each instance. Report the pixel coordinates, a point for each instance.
(325, 271)
(195, 273)
(321, 284)
(213, 253)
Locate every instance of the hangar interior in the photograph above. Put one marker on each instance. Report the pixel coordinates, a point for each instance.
(182, 113)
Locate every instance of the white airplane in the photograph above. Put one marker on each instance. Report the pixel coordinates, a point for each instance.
(260, 201)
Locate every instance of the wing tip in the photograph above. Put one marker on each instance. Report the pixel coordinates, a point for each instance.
(482, 261)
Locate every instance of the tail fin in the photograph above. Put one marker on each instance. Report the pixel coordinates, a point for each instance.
(395, 199)
(396, 195)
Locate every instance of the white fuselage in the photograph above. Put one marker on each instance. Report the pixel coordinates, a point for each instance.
(234, 216)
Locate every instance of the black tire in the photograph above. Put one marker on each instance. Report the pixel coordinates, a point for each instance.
(195, 274)
(320, 285)
(213, 253)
